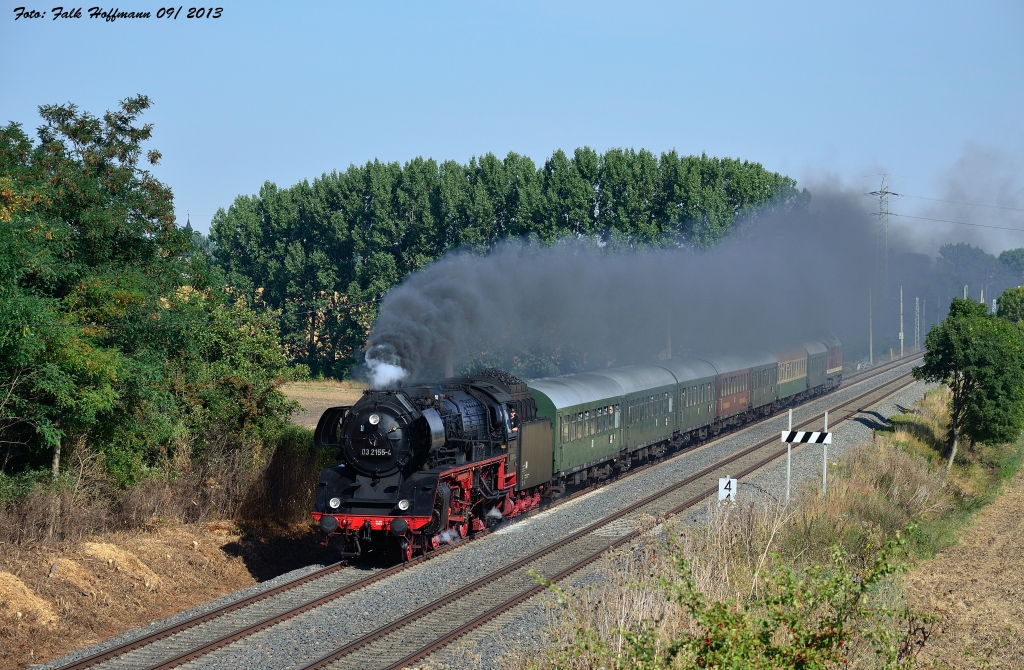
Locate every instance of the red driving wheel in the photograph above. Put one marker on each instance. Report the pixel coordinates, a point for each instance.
(405, 549)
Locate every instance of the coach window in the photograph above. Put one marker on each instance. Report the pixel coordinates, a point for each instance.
(616, 416)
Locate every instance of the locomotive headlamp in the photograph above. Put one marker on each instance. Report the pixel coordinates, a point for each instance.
(374, 419)
(335, 503)
(403, 505)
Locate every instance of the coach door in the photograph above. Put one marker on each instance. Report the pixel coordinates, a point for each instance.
(535, 457)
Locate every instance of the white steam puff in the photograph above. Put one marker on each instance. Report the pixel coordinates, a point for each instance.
(383, 374)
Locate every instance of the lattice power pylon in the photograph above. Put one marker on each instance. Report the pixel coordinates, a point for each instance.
(882, 238)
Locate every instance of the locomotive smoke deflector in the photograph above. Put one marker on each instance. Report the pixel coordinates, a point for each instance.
(435, 426)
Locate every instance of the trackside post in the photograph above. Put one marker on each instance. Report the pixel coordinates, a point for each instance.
(824, 461)
(789, 453)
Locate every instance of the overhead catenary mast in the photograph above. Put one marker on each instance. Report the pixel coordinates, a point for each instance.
(917, 324)
(901, 322)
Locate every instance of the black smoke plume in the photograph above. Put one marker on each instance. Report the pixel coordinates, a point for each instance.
(780, 277)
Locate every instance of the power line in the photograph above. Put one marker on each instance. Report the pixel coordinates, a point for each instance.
(954, 202)
(158, 323)
(961, 223)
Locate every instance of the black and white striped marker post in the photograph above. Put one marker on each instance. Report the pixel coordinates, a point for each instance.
(824, 438)
(789, 453)
(804, 437)
(824, 457)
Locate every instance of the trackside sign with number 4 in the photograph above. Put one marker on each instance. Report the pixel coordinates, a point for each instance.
(727, 489)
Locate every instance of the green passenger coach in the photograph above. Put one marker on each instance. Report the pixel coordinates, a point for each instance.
(586, 414)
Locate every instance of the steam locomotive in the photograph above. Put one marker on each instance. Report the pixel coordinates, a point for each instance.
(429, 463)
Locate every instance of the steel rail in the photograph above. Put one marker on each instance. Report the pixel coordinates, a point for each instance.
(266, 622)
(889, 388)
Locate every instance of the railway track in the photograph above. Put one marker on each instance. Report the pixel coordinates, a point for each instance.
(177, 644)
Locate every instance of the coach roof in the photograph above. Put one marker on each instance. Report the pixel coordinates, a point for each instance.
(581, 389)
(750, 358)
(638, 378)
(688, 369)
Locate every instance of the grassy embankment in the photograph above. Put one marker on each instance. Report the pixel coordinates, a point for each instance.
(816, 584)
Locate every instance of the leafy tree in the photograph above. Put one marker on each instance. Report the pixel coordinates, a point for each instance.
(1012, 262)
(114, 329)
(981, 359)
(1011, 305)
(970, 265)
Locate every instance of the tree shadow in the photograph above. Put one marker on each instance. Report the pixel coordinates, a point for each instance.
(272, 549)
(873, 420)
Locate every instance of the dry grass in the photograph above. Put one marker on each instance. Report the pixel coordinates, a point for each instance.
(84, 502)
(727, 556)
(317, 396)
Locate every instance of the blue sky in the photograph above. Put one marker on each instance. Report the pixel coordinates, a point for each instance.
(824, 92)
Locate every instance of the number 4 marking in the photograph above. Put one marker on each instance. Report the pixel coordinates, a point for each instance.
(727, 489)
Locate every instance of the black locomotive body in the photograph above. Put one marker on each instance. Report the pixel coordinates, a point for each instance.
(425, 464)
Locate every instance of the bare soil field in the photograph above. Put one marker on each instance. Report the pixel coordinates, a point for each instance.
(316, 397)
(976, 590)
